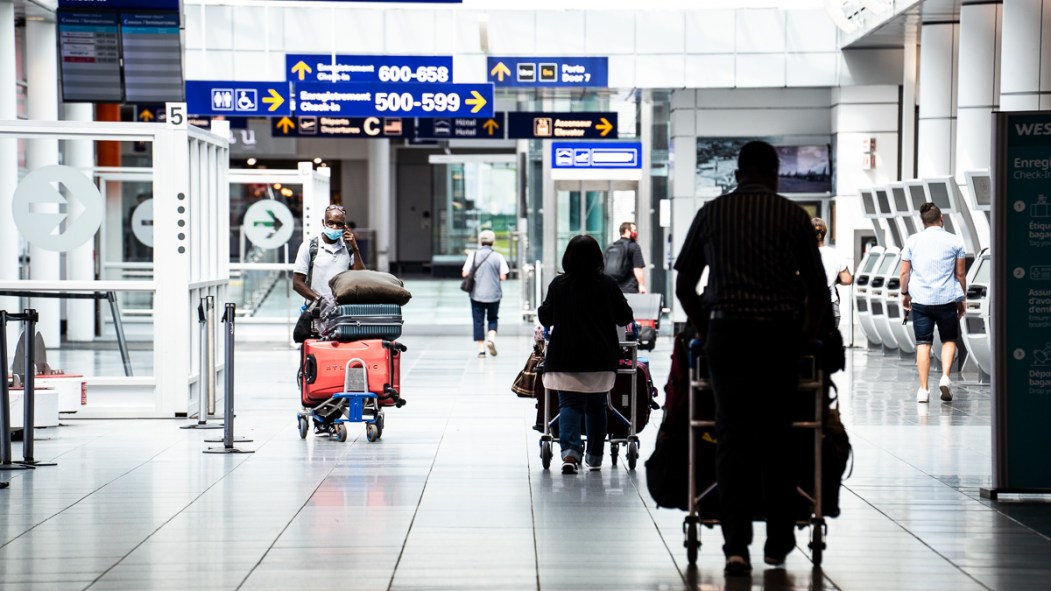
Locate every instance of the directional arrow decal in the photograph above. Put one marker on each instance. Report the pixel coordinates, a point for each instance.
(500, 71)
(477, 103)
(286, 125)
(604, 126)
(302, 69)
(491, 126)
(146, 115)
(275, 99)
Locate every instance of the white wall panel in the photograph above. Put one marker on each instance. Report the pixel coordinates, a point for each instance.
(710, 71)
(810, 30)
(760, 31)
(445, 32)
(218, 22)
(866, 94)
(357, 31)
(622, 71)
(765, 99)
(467, 36)
(194, 27)
(250, 28)
(512, 32)
(610, 32)
(561, 33)
(308, 31)
(684, 122)
(258, 65)
(853, 118)
(811, 69)
(762, 122)
(872, 66)
(710, 31)
(209, 65)
(758, 70)
(469, 69)
(660, 71)
(659, 31)
(410, 32)
(683, 99)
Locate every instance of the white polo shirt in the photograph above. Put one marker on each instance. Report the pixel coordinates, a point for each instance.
(332, 259)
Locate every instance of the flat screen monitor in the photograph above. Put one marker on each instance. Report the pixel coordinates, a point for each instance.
(868, 203)
(940, 195)
(804, 169)
(901, 202)
(895, 234)
(870, 264)
(152, 50)
(917, 197)
(887, 264)
(89, 53)
(883, 202)
(982, 187)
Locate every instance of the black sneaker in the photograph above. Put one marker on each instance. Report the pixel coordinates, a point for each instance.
(570, 465)
(737, 566)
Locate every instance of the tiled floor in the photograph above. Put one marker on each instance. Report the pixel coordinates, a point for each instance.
(454, 496)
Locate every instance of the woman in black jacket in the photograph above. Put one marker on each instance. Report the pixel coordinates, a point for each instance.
(584, 307)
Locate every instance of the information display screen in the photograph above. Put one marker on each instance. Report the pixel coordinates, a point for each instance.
(882, 201)
(940, 196)
(152, 57)
(90, 55)
(868, 203)
(901, 203)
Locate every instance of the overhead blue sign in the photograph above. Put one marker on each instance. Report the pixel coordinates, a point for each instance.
(121, 4)
(303, 67)
(590, 72)
(240, 99)
(450, 128)
(342, 127)
(378, 99)
(604, 155)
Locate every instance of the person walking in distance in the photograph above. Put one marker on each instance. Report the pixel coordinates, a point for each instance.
(766, 281)
(933, 284)
(624, 261)
(489, 269)
(837, 269)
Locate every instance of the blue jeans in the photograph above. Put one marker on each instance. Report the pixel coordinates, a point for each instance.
(479, 310)
(574, 407)
(925, 318)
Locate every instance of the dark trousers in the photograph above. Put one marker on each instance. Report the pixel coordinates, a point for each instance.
(479, 311)
(754, 369)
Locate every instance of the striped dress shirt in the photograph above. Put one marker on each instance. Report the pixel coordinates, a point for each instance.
(932, 254)
(761, 252)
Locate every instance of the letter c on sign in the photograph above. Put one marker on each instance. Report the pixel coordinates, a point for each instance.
(372, 126)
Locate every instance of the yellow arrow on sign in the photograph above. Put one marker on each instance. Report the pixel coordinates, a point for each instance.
(285, 125)
(302, 69)
(500, 70)
(491, 125)
(477, 102)
(275, 100)
(146, 115)
(604, 126)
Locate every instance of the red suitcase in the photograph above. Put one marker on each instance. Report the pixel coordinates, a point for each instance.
(324, 366)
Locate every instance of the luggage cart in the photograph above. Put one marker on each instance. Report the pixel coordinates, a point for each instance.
(629, 345)
(811, 379)
(357, 404)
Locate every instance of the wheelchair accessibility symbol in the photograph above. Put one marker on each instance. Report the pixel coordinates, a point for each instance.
(247, 99)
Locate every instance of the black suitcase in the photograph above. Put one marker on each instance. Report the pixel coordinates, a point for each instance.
(355, 322)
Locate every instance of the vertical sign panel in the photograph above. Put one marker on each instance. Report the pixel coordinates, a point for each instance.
(152, 57)
(1022, 259)
(90, 56)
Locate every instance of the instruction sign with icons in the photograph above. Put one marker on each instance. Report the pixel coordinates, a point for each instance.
(562, 125)
(241, 99)
(585, 72)
(1022, 302)
(379, 99)
(475, 128)
(325, 67)
(606, 155)
(342, 127)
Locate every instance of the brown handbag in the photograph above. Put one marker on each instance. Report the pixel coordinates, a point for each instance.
(525, 383)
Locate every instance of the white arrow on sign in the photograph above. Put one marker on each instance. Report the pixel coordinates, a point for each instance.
(142, 222)
(39, 208)
(268, 223)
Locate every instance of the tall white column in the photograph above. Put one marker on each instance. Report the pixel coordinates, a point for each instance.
(380, 201)
(910, 73)
(80, 262)
(939, 45)
(979, 88)
(1025, 71)
(42, 102)
(9, 238)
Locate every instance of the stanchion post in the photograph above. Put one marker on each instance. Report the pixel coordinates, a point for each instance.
(228, 384)
(29, 318)
(206, 375)
(210, 328)
(5, 403)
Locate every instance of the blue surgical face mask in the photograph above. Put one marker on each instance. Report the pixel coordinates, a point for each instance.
(333, 234)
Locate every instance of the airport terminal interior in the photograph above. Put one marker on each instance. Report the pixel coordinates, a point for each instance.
(164, 163)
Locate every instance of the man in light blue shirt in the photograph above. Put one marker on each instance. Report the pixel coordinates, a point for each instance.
(933, 284)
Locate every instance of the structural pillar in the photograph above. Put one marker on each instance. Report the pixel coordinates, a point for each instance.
(42, 104)
(1025, 71)
(979, 88)
(10, 243)
(80, 262)
(936, 132)
(380, 201)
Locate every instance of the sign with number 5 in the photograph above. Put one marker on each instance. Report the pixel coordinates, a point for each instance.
(175, 114)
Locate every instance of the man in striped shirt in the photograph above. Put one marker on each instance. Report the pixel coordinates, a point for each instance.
(933, 284)
(766, 293)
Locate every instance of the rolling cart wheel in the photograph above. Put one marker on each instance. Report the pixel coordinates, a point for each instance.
(817, 544)
(341, 432)
(304, 427)
(545, 454)
(632, 454)
(372, 432)
(614, 449)
(380, 421)
(692, 543)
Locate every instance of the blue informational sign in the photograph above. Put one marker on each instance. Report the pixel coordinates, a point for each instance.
(121, 4)
(302, 67)
(342, 127)
(238, 99)
(583, 126)
(378, 99)
(604, 155)
(475, 128)
(591, 72)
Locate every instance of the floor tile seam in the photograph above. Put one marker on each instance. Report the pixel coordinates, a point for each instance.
(683, 575)
(991, 505)
(532, 512)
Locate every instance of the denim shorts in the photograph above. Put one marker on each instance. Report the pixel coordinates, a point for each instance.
(925, 318)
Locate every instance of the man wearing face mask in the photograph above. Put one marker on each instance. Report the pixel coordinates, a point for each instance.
(624, 260)
(321, 259)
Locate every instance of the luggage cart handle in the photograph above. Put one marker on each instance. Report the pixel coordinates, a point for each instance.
(364, 372)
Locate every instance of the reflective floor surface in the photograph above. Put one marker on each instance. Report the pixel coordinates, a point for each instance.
(453, 497)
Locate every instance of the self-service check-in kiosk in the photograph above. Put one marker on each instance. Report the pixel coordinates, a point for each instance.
(865, 271)
(878, 282)
(906, 218)
(975, 324)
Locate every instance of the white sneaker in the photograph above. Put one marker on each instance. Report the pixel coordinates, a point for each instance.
(945, 385)
(922, 395)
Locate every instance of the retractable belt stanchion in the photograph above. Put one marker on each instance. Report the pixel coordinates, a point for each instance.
(5, 403)
(228, 398)
(28, 383)
(206, 376)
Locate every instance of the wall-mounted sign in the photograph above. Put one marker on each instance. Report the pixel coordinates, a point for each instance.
(310, 67)
(240, 99)
(378, 99)
(342, 127)
(89, 47)
(121, 4)
(451, 128)
(152, 50)
(562, 125)
(606, 155)
(57, 208)
(592, 72)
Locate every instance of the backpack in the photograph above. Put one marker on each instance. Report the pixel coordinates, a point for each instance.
(618, 261)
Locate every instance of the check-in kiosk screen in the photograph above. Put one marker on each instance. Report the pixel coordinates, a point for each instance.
(871, 264)
(868, 203)
(940, 196)
(981, 276)
(917, 196)
(982, 190)
(901, 203)
(883, 201)
(886, 265)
